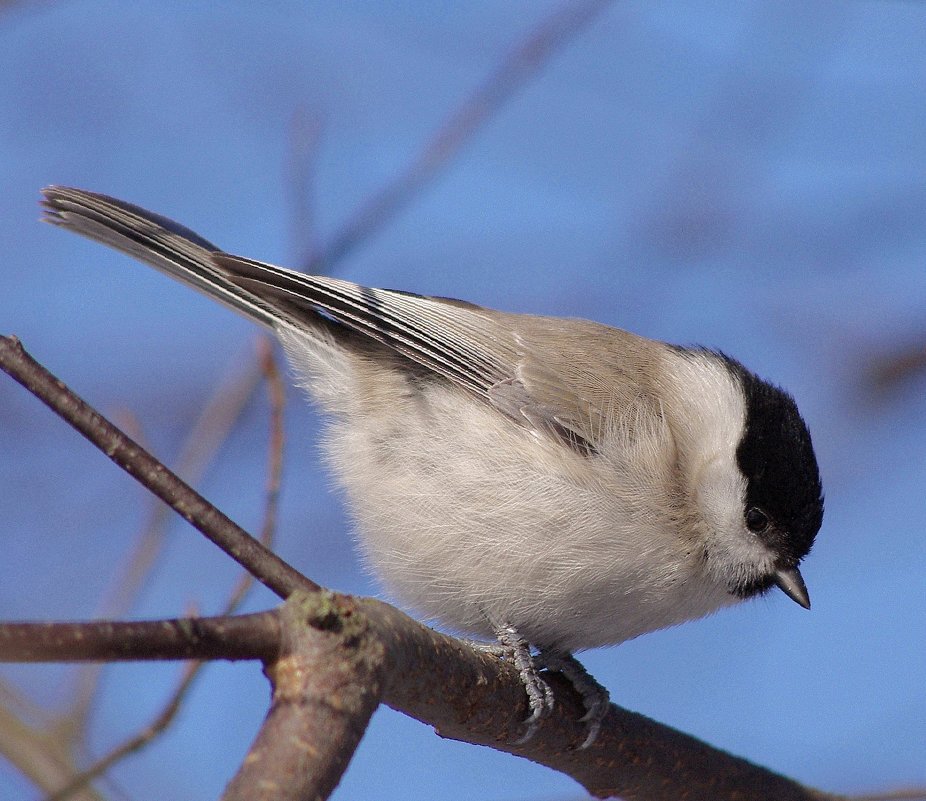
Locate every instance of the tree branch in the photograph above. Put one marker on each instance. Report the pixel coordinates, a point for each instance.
(255, 636)
(467, 695)
(212, 428)
(325, 689)
(259, 561)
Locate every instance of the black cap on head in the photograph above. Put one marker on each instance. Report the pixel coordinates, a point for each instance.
(776, 457)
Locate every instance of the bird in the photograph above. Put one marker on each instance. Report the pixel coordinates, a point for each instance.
(548, 484)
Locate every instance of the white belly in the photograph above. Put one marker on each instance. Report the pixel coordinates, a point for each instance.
(468, 518)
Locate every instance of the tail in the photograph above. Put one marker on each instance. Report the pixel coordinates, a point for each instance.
(455, 340)
(164, 244)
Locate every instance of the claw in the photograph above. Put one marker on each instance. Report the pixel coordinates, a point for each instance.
(595, 698)
(540, 699)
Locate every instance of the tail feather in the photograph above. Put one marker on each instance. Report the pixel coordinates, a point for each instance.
(164, 244)
(459, 342)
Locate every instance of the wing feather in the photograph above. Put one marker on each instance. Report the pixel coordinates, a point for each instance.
(544, 373)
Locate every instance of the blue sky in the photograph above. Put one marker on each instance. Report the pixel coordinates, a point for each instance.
(746, 175)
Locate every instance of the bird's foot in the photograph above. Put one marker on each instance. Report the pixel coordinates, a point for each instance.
(595, 698)
(512, 646)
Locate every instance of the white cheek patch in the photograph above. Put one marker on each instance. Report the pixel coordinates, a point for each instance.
(720, 494)
(712, 414)
(707, 406)
(735, 556)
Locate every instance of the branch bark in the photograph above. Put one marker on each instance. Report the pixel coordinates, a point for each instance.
(326, 686)
(336, 644)
(254, 636)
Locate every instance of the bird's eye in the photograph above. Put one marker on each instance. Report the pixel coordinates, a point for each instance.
(756, 520)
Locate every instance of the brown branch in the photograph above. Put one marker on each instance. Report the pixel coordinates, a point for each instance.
(465, 694)
(253, 636)
(472, 697)
(325, 689)
(262, 563)
(524, 61)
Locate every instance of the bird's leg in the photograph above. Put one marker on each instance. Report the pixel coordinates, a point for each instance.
(595, 698)
(511, 645)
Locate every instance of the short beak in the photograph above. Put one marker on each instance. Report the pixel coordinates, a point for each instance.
(791, 583)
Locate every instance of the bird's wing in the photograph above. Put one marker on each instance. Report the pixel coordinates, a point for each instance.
(510, 361)
(541, 372)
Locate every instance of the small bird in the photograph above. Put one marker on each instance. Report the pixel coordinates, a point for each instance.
(542, 481)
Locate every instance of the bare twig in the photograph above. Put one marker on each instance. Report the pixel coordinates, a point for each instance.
(521, 64)
(39, 754)
(886, 372)
(266, 566)
(79, 781)
(209, 432)
(466, 694)
(39, 743)
(221, 410)
(253, 636)
(246, 637)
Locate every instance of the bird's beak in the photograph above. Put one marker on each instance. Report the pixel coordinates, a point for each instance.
(791, 583)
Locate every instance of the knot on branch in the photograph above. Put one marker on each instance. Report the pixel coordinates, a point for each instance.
(329, 635)
(328, 611)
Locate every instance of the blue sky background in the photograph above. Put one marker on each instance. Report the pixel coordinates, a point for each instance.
(747, 175)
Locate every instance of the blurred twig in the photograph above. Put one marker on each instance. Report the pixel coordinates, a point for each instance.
(886, 372)
(210, 431)
(42, 755)
(79, 780)
(38, 743)
(304, 139)
(515, 70)
(223, 422)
